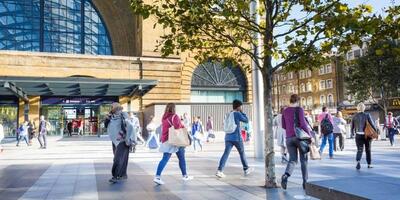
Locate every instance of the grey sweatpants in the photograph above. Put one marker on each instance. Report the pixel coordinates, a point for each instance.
(292, 145)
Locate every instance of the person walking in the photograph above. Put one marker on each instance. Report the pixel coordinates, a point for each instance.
(152, 141)
(325, 119)
(23, 133)
(43, 128)
(1, 136)
(358, 125)
(210, 129)
(197, 133)
(390, 125)
(122, 133)
(235, 139)
(134, 120)
(280, 134)
(169, 119)
(69, 128)
(31, 131)
(339, 131)
(292, 142)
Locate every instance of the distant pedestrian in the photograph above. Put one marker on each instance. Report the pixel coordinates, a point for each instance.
(280, 133)
(153, 139)
(186, 122)
(43, 129)
(69, 128)
(122, 133)
(358, 125)
(391, 124)
(292, 142)
(1, 136)
(234, 139)
(210, 129)
(134, 120)
(197, 133)
(31, 131)
(169, 119)
(339, 131)
(326, 123)
(23, 133)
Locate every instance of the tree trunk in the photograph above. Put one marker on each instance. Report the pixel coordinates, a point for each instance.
(270, 177)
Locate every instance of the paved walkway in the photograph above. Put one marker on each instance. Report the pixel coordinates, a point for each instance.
(79, 168)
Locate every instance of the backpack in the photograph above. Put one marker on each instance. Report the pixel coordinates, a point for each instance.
(326, 126)
(229, 123)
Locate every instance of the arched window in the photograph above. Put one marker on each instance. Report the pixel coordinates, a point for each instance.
(303, 101)
(322, 100)
(330, 100)
(62, 26)
(214, 83)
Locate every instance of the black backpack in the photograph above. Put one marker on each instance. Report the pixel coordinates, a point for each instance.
(326, 126)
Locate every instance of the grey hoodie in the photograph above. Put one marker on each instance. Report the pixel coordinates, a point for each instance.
(114, 129)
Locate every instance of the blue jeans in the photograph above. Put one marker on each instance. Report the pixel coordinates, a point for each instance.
(391, 134)
(228, 147)
(23, 137)
(198, 141)
(328, 137)
(166, 156)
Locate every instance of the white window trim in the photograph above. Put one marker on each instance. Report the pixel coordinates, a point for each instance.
(326, 84)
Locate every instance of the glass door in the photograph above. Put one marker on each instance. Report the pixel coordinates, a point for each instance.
(8, 118)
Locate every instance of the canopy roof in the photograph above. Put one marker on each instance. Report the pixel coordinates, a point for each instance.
(73, 86)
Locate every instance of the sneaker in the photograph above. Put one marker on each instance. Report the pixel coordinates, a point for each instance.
(220, 174)
(187, 178)
(123, 177)
(248, 171)
(358, 166)
(113, 180)
(158, 181)
(369, 166)
(284, 180)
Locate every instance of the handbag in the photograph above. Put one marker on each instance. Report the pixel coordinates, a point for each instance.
(369, 131)
(314, 153)
(178, 137)
(300, 133)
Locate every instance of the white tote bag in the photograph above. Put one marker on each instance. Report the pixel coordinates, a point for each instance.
(178, 137)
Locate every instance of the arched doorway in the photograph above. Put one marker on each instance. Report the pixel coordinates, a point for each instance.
(214, 83)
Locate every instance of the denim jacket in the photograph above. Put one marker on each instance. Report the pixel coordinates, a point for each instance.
(359, 121)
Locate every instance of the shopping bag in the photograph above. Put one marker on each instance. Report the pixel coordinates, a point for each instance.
(314, 153)
(153, 143)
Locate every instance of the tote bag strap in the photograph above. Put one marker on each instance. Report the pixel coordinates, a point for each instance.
(170, 123)
(296, 117)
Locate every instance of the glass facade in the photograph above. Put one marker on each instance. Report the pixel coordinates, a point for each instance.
(62, 26)
(215, 96)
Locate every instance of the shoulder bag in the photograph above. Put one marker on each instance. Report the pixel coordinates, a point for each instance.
(301, 135)
(178, 137)
(369, 131)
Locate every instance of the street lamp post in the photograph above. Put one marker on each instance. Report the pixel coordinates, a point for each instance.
(258, 98)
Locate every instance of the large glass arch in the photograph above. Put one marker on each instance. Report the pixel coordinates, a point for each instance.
(214, 83)
(62, 26)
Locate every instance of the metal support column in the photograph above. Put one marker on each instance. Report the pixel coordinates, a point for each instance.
(258, 98)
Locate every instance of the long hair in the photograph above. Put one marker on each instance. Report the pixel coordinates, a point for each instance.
(170, 108)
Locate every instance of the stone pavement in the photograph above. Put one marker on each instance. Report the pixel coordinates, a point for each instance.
(79, 168)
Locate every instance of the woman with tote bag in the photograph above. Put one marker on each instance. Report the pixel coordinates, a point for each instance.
(170, 121)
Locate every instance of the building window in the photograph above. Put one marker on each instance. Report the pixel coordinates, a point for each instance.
(214, 83)
(302, 87)
(322, 85)
(72, 26)
(309, 74)
(328, 68)
(284, 89)
(309, 101)
(290, 75)
(309, 87)
(303, 101)
(322, 70)
(330, 100)
(329, 83)
(322, 100)
(302, 74)
(290, 88)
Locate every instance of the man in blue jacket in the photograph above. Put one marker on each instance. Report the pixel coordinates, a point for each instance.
(235, 139)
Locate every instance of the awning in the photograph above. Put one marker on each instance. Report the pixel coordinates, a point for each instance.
(73, 86)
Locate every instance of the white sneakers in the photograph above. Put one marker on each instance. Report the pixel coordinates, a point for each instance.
(220, 174)
(158, 181)
(248, 171)
(187, 178)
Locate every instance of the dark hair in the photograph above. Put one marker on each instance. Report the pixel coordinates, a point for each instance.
(324, 109)
(198, 117)
(236, 104)
(294, 98)
(170, 108)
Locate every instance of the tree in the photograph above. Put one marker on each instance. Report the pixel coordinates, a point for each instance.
(297, 34)
(376, 74)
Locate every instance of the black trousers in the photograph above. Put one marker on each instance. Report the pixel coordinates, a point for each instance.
(361, 142)
(121, 158)
(341, 141)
